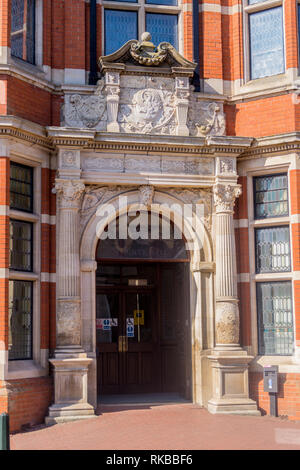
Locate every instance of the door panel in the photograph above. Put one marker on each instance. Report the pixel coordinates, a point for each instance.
(142, 332)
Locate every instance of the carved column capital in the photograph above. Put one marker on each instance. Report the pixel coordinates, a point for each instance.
(224, 197)
(69, 193)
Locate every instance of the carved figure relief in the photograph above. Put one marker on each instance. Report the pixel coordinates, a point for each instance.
(85, 110)
(150, 112)
(206, 118)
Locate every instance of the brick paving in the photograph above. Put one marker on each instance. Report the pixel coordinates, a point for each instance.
(164, 427)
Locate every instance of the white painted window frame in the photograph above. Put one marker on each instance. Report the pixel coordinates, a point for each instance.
(142, 8)
(247, 10)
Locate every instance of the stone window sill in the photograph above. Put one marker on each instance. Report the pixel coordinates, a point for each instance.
(286, 364)
(24, 370)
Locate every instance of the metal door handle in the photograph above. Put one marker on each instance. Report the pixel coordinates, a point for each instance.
(125, 343)
(120, 344)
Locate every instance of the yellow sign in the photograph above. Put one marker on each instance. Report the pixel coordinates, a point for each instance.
(139, 317)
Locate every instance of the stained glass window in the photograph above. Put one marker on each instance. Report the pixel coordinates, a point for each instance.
(162, 2)
(21, 187)
(270, 196)
(20, 245)
(253, 2)
(266, 43)
(120, 27)
(275, 318)
(272, 246)
(20, 320)
(23, 30)
(163, 28)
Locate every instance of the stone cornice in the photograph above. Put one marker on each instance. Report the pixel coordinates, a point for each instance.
(92, 140)
(280, 143)
(22, 130)
(51, 138)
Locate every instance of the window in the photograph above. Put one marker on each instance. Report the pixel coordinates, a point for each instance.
(272, 249)
(22, 282)
(20, 249)
(266, 39)
(270, 196)
(275, 318)
(21, 187)
(20, 320)
(132, 18)
(273, 256)
(23, 30)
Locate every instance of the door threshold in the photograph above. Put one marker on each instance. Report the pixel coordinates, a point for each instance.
(142, 399)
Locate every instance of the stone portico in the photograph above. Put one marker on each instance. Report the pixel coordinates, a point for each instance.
(144, 130)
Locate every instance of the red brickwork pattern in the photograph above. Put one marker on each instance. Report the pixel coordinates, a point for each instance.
(288, 396)
(29, 400)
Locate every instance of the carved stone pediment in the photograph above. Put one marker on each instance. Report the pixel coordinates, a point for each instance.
(145, 53)
(145, 90)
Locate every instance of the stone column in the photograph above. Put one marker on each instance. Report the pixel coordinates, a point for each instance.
(227, 311)
(70, 362)
(229, 361)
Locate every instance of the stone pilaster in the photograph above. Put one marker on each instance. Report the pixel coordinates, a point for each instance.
(70, 362)
(182, 104)
(229, 362)
(112, 90)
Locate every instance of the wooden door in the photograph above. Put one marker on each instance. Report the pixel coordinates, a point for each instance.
(127, 341)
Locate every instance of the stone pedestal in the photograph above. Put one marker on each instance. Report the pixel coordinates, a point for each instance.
(70, 379)
(229, 361)
(230, 384)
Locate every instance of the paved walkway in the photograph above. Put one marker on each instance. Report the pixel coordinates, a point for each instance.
(180, 426)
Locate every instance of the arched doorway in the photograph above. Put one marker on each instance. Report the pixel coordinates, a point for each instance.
(143, 334)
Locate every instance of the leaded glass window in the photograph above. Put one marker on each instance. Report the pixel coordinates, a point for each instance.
(266, 43)
(271, 196)
(20, 320)
(132, 18)
(21, 187)
(23, 30)
(253, 2)
(162, 2)
(163, 27)
(275, 318)
(120, 27)
(20, 245)
(272, 247)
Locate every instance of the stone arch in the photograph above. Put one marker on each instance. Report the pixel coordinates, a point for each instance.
(201, 262)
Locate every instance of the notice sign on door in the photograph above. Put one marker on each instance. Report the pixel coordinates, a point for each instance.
(106, 323)
(139, 317)
(130, 327)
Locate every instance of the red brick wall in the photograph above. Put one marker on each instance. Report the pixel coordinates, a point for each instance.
(29, 400)
(288, 396)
